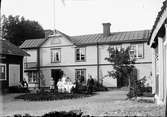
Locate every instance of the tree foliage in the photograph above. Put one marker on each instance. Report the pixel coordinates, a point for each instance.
(17, 29)
(122, 63)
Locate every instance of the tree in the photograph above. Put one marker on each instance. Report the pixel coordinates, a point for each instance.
(122, 65)
(17, 29)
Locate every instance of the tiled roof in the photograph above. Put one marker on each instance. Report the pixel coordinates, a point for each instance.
(117, 37)
(32, 43)
(164, 6)
(8, 48)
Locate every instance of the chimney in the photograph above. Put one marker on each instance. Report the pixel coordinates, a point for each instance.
(106, 29)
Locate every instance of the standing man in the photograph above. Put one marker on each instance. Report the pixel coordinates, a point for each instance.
(90, 84)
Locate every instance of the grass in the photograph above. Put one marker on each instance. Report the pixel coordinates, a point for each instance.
(46, 96)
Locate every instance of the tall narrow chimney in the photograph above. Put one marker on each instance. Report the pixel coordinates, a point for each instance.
(106, 29)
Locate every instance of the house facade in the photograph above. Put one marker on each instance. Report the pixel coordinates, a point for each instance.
(158, 43)
(11, 64)
(84, 55)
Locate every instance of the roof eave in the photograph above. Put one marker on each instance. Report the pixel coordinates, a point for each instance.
(158, 24)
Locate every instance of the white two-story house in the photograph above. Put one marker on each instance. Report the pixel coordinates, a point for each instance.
(84, 55)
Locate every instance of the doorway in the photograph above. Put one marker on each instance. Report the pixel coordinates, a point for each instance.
(56, 74)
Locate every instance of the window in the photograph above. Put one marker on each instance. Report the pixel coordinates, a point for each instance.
(114, 47)
(55, 55)
(2, 72)
(81, 75)
(80, 54)
(136, 50)
(118, 47)
(32, 77)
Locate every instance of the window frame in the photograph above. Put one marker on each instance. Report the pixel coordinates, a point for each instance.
(136, 50)
(80, 70)
(5, 71)
(80, 60)
(32, 77)
(116, 46)
(52, 49)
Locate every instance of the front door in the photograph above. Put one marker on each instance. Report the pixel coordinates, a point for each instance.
(56, 74)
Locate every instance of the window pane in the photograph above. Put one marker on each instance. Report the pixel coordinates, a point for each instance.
(29, 76)
(80, 54)
(118, 47)
(2, 72)
(83, 76)
(77, 54)
(140, 50)
(133, 50)
(34, 76)
(55, 55)
(80, 76)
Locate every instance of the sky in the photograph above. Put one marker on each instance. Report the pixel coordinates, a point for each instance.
(78, 17)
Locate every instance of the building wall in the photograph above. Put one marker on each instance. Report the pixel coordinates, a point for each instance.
(69, 72)
(9, 61)
(33, 55)
(107, 80)
(68, 63)
(68, 56)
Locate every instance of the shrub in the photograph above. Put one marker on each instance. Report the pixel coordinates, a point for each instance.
(55, 114)
(138, 88)
(46, 96)
(63, 114)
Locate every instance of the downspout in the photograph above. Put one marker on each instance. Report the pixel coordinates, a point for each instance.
(38, 64)
(98, 79)
(0, 21)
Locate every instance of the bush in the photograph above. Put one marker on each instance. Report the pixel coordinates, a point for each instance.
(138, 88)
(46, 96)
(55, 114)
(63, 114)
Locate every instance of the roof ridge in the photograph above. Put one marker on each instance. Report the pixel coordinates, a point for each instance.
(112, 32)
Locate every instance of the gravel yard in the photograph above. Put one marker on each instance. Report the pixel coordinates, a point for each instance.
(102, 104)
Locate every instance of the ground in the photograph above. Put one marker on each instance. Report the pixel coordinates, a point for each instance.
(113, 103)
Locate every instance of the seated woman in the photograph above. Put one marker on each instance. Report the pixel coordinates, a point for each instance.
(23, 85)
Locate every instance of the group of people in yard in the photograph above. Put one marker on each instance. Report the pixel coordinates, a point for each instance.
(65, 84)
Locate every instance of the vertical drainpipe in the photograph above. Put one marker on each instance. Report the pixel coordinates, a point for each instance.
(0, 21)
(98, 63)
(38, 64)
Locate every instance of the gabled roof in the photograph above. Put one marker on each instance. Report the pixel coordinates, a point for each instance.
(8, 48)
(33, 43)
(116, 37)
